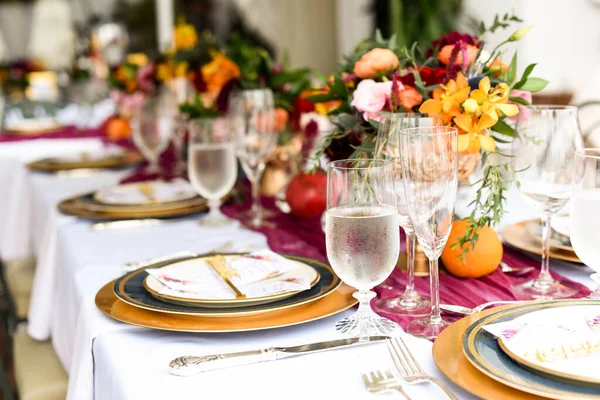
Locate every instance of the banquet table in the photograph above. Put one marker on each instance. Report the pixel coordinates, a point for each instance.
(106, 359)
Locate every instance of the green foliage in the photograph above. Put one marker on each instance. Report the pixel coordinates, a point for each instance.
(498, 23)
(196, 109)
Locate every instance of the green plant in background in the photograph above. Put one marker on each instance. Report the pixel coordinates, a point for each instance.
(419, 21)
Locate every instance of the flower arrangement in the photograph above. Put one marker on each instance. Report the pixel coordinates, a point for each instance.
(472, 89)
(131, 82)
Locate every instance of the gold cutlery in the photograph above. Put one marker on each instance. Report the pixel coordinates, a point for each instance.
(191, 365)
(409, 368)
(383, 381)
(454, 309)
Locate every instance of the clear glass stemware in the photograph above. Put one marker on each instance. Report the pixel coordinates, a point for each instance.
(387, 146)
(585, 215)
(253, 118)
(362, 235)
(212, 164)
(544, 157)
(430, 175)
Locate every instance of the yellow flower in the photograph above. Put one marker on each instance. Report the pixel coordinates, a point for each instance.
(492, 101)
(184, 36)
(473, 137)
(447, 100)
(139, 59)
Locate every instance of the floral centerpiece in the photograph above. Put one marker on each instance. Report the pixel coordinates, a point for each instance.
(473, 89)
(131, 82)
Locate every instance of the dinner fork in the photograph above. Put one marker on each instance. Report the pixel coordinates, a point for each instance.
(454, 309)
(383, 381)
(409, 368)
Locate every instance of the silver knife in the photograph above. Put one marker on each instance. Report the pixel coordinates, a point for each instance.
(191, 365)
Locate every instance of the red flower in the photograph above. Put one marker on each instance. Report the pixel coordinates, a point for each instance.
(198, 81)
(299, 107)
(222, 101)
(429, 76)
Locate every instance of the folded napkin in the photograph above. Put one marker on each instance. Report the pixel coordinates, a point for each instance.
(550, 340)
(260, 273)
(158, 191)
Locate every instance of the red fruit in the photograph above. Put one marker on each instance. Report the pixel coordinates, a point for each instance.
(306, 194)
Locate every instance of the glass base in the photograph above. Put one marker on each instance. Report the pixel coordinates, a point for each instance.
(408, 307)
(544, 289)
(216, 221)
(424, 328)
(250, 219)
(365, 325)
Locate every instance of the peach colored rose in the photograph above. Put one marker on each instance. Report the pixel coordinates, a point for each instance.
(446, 51)
(375, 62)
(499, 66)
(409, 97)
(370, 98)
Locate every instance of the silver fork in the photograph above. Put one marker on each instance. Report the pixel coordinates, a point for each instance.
(383, 381)
(409, 368)
(451, 308)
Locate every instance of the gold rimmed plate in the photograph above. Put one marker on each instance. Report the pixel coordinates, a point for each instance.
(131, 290)
(146, 193)
(109, 161)
(154, 287)
(85, 206)
(517, 236)
(483, 351)
(338, 300)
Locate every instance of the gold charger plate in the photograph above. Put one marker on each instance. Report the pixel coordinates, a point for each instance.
(517, 236)
(153, 286)
(339, 300)
(33, 130)
(80, 206)
(450, 359)
(55, 164)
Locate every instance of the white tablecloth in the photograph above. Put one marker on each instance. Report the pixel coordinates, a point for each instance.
(110, 360)
(15, 203)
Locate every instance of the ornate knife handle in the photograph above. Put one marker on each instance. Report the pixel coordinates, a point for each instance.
(190, 365)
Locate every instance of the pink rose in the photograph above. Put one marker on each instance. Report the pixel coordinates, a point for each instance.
(523, 110)
(370, 98)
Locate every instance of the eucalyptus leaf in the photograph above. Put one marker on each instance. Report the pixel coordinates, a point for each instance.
(346, 120)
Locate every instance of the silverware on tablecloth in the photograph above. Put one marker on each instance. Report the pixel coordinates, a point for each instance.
(191, 365)
(408, 367)
(132, 266)
(383, 381)
(454, 309)
(507, 269)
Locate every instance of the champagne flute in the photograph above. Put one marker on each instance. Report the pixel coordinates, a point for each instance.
(212, 164)
(152, 126)
(253, 119)
(585, 218)
(387, 146)
(544, 157)
(430, 175)
(362, 235)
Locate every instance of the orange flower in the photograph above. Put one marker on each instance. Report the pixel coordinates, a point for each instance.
(281, 119)
(409, 97)
(447, 100)
(218, 72)
(446, 51)
(375, 62)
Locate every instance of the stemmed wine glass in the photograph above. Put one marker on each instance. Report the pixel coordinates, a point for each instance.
(362, 235)
(584, 215)
(152, 127)
(544, 157)
(253, 118)
(387, 146)
(212, 164)
(430, 175)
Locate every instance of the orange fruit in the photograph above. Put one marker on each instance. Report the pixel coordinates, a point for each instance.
(481, 260)
(118, 128)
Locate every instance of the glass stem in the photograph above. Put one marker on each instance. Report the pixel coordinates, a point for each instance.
(364, 298)
(434, 282)
(256, 205)
(410, 259)
(545, 273)
(214, 208)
